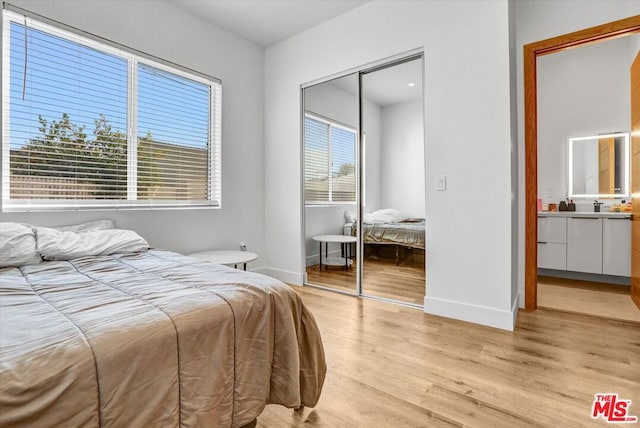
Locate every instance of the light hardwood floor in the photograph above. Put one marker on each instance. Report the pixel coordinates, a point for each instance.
(390, 366)
(382, 278)
(587, 298)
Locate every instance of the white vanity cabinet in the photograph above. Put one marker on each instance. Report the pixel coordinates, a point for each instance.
(616, 245)
(584, 244)
(598, 243)
(552, 243)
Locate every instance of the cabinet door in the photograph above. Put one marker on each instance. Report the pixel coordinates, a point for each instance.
(552, 229)
(584, 244)
(616, 246)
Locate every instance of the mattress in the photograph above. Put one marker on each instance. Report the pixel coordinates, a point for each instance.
(405, 233)
(151, 339)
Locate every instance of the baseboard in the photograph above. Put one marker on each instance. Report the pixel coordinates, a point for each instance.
(491, 317)
(294, 278)
(314, 259)
(262, 269)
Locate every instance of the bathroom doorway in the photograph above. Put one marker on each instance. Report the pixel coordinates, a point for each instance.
(554, 275)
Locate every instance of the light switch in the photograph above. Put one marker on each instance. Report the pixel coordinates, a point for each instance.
(441, 182)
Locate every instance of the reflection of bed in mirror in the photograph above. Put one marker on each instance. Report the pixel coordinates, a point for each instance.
(389, 227)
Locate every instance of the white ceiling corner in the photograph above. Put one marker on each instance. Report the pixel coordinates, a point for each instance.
(267, 22)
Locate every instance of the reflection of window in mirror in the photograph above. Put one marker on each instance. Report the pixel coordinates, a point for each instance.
(599, 166)
(329, 161)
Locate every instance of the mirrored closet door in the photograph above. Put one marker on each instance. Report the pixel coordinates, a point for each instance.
(364, 183)
(393, 196)
(330, 141)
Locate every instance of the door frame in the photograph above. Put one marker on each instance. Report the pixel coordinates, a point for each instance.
(410, 55)
(532, 51)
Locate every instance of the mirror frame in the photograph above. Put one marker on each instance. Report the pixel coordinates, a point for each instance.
(626, 163)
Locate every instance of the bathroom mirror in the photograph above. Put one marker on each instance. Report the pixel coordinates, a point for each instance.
(599, 166)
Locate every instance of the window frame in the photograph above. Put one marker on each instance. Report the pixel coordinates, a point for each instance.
(332, 124)
(133, 58)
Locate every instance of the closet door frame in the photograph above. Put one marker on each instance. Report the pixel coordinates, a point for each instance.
(361, 161)
(303, 233)
(391, 61)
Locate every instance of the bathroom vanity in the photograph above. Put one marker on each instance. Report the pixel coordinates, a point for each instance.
(595, 243)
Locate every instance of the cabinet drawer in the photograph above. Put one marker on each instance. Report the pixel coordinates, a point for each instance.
(552, 229)
(552, 256)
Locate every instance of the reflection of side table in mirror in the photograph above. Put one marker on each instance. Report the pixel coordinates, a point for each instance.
(345, 245)
(226, 257)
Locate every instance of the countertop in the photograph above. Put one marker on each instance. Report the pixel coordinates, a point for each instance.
(603, 214)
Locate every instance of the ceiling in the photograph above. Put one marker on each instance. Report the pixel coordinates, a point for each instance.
(390, 85)
(267, 22)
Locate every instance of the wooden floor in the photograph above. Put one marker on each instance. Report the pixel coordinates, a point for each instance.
(588, 298)
(392, 366)
(382, 278)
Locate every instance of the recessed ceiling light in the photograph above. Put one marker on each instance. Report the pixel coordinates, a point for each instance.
(411, 85)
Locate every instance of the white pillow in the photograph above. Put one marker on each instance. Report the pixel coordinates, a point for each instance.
(17, 245)
(387, 215)
(66, 245)
(394, 214)
(349, 216)
(87, 226)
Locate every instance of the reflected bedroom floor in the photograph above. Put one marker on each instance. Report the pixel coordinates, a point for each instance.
(382, 278)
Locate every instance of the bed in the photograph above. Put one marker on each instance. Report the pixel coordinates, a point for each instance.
(150, 338)
(389, 227)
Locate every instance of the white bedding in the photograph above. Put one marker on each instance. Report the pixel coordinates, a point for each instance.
(23, 244)
(17, 245)
(53, 244)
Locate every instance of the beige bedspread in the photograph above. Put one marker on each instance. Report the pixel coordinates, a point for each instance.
(410, 233)
(152, 339)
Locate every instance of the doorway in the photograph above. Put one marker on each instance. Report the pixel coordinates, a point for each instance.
(364, 182)
(532, 53)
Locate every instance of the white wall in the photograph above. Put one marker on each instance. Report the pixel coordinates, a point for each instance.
(467, 111)
(513, 137)
(328, 100)
(165, 30)
(402, 158)
(372, 127)
(539, 20)
(581, 92)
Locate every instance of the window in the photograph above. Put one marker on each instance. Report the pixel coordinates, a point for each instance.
(329, 162)
(89, 125)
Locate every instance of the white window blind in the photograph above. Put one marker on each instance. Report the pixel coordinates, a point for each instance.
(89, 125)
(329, 162)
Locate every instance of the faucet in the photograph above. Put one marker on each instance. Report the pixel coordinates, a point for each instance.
(596, 206)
